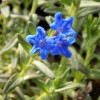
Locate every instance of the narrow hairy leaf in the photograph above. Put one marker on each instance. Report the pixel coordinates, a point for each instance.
(3, 78)
(95, 74)
(5, 11)
(43, 86)
(31, 76)
(9, 45)
(60, 79)
(53, 10)
(88, 3)
(67, 2)
(43, 68)
(20, 93)
(24, 58)
(14, 85)
(31, 27)
(71, 86)
(93, 40)
(87, 11)
(25, 45)
(9, 82)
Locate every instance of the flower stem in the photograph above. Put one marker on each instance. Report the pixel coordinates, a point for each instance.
(26, 67)
(34, 7)
(60, 73)
(74, 11)
(61, 66)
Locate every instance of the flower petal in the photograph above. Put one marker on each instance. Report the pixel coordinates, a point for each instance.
(58, 21)
(68, 22)
(64, 51)
(29, 39)
(34, 50)
(61, 37)
(40, 32)
(55, 51)
(49, 43)
(71, 40)
(48, 46)
(54, 26)
(69, 32)
(58, 16)
(44, 53)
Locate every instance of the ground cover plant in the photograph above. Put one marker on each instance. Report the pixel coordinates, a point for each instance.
(50, 50)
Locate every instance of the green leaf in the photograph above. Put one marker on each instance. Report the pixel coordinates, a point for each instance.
(86, 11)
(74, 60)
(67, 2)
(10, 81)
(84, 70)
(95, 74)
(25, 45)
(31, 27)
(49, 19)
(79, 24)
(14, 60)
(5, 11)
(50, 96)
(3, 78)
(14, 85)
(43, 86)
(76, 2)
(71, 86)
(66, 83)
(5, 97)
(24, 58)
(15, 80)
(79, 76)
(87, 3)
(31, 76)
(9, 45)
(98, 98)
(60, 79)
(92, 41)
(53, 10)
(41, 2)
(90, 47)
(43, 68)
(33, 98)
(20, 93)
(2, 81)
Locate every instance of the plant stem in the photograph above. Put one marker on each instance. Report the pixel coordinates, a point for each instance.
(26, 67)
(61, 73)
(72, 9)
(74, 12)
(34, 7)
(61, 66)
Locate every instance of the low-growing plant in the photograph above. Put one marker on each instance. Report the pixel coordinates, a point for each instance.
(50, 50)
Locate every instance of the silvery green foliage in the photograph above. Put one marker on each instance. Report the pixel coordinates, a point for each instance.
(28, 77)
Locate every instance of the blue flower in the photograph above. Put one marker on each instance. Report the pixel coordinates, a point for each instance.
(61, 45)
(63, 25)
(40, 42)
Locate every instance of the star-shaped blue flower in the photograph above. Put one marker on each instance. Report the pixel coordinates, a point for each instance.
(61, 45)
(40, 42)
(63, 25)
